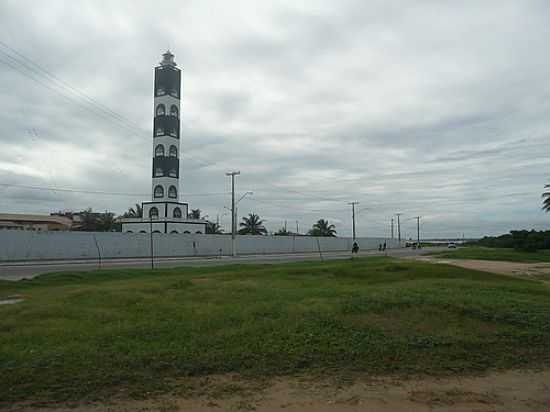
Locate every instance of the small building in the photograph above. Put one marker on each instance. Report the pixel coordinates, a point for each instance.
(165, 213)
(39, 223)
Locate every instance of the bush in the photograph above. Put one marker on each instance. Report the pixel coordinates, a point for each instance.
(526, 240)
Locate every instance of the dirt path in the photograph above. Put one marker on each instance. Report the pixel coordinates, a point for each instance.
(509, 391)
(534, 271)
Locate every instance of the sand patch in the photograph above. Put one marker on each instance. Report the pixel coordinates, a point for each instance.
(533, 271)
(11, 300)
(519, 391)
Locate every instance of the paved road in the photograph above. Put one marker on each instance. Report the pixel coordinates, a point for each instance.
(30, 269)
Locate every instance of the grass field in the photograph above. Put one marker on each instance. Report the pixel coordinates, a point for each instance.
(91, 335)
(485, 253)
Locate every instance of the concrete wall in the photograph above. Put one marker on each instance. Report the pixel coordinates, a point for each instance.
(22, 245)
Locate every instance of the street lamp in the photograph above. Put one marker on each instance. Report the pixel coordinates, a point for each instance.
(233, 223)
(236, 214)
(237, 204)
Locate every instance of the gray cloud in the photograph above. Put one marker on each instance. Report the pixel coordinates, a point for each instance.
(437, 109)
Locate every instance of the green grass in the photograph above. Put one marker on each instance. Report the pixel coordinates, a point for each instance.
(95, 334)
(485, 253)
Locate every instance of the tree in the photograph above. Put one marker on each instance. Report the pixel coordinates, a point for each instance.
(546, 201)
(252, 225)
(322, 228)
(213, 228)
(526, 240)
(195, 214)
(89, 221)
(107, 222)
(136, 211)
(283, 232)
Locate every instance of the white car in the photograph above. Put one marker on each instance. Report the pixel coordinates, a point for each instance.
(451, 245)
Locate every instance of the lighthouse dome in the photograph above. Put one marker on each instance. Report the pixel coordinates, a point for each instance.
(168, 59)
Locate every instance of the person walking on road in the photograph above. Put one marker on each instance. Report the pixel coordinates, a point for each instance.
(355, 248)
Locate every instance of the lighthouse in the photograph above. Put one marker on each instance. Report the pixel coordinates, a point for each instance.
(166, 130)
(165, 213)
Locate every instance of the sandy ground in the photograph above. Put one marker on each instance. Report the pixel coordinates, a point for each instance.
(533, 271)
(506, 391)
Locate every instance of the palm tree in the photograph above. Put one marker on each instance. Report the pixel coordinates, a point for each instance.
(252, 225)
(322, 228)
(546, 201)
(195, 214)
(107, 222)
(213, 228)
(136, 211)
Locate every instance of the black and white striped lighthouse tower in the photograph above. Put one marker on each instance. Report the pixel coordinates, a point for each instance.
(166, 130)
(165, 213)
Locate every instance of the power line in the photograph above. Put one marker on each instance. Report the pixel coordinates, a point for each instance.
(68, 86)
(312, 196)
(48, 84)
(92, 105)
(272, 203)
(100, 192)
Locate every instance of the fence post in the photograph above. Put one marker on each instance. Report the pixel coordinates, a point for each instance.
(98, 251)
(151, 242)
(319, 247)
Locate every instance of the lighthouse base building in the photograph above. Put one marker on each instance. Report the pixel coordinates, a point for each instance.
(165, 213)
(164, 217)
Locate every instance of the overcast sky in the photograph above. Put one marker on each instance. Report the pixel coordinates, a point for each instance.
(441, 109)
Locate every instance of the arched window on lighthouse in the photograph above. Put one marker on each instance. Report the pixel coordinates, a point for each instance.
(159, 150)
(174, 110)
(153, 213)
(159, 131)
(159, 191)
(172, 172)
(177, 213)
(159, 172)
(172, 192)
(161, 110)
(173, 151)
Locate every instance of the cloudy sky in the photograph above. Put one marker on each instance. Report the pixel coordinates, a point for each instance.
(441, 109)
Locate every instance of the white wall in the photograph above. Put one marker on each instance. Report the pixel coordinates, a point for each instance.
(23, 245)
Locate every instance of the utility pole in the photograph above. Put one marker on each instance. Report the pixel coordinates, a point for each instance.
(297, 231)
(233, 217)
(353, 215)
(392, 228)
(398, 227)
(418, 230)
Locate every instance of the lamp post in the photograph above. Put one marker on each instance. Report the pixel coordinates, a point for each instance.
(233, 174)
(237, 205)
